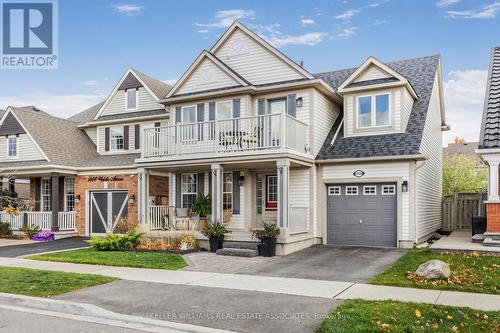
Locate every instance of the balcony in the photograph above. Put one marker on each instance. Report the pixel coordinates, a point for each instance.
(236, 136)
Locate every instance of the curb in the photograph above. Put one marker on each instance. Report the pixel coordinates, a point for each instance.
(98, 313)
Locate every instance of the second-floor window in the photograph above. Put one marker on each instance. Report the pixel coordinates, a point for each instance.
(277, 105)
(116, 138)
(188, 114)
(373, 111)
(12, 147)
(224, 110)
(131, 99)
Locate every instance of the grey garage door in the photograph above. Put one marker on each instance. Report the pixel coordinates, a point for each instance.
(106, 208)
(362, 214)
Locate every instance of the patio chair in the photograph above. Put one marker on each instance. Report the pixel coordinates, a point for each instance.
(182, 217)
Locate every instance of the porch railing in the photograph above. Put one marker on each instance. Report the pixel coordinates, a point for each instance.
(258, 133)
(67, 221)
(41, 219)
(157, 216)
(15, 221)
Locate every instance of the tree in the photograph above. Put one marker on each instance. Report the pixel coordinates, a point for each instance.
(463, 174)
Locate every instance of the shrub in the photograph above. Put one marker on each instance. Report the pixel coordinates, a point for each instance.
(202, 205)
(113, 242)
(30, 231)
(125, 224)
(270, 230)
(5, 230)
(189, 240)
(216, 229)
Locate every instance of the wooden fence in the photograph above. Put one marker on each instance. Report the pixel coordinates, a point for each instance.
(459, 209)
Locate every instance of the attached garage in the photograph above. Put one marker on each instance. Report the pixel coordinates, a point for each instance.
(362, 214)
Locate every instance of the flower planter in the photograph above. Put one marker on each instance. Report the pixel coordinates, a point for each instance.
(268, 247)
(216, 243)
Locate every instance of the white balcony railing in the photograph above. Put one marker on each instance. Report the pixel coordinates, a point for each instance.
(67, 221)
(265, 132)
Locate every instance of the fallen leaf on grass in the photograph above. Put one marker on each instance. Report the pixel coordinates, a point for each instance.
(418, 313)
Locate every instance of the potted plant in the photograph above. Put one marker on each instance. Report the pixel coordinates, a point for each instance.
(267, 236)
(215, 233)
(202, 206)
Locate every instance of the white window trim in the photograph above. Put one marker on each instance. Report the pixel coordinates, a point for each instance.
(393, 187)
(196, 190)
(365, 187)
(66, 195)
(277, 99)
(217, 108)
(330, 188)
(347, 188)
(373, 110)
(136, 99)
(17, 147)
(111, 138)
(195, 113)
(42, 195)
(267, 189)
(232, 189)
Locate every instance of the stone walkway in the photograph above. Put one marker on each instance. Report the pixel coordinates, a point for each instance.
(212, 263)
(461, 240)
(301, 287)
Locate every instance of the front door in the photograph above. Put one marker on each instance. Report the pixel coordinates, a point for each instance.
(106, 209)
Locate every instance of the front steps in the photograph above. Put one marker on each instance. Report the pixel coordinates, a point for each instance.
(239, 249)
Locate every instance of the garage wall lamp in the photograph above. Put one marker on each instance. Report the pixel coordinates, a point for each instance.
(131, 199)
(404, 186)
(77, 198)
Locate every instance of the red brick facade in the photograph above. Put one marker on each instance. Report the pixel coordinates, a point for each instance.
(158, 188)
(493, 217)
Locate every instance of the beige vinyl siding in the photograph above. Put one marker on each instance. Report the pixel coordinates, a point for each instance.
(131, 127)
(253, 61)
(372, 73)
(26, 150)
(324, 115)
(92, 134)
(375, 172)
(145, 102)
(207, 76)
(299, 191)
(429, 174)
(407, 106)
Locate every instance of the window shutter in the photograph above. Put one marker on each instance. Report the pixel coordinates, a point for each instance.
(261, 106)
(125, 137)
(236, 108)
(200, 118)
(236, 193)
(211, 111)
(106, 139)
(178, 116)
(178, 190)
(137, 133)
(210, 183)
(291, 105)
(61, 194)
(38, 183)
(201, 183)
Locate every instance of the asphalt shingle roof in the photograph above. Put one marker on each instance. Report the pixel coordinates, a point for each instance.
(86, 115)
(490, 128)
(159, 88)
(420, 72)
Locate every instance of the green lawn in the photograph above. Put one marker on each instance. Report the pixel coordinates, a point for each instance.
(34, 282)
(469, 272)
(170, 261)
(355, 316)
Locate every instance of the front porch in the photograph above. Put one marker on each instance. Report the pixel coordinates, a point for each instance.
(66, 221)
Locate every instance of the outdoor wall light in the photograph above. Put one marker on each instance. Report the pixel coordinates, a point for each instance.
(131, 199)
(404, 186)
(299, 102)
(77, 198)
(241, 180)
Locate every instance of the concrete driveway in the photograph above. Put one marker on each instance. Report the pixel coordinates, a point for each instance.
(24, 249)
(235, 310)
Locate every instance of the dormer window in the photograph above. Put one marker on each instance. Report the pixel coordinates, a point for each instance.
(373, 110)
(131, 99)
(12, 146)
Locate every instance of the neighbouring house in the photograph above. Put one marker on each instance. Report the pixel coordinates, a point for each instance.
(489, 148)
(462, 148)
(346, 157)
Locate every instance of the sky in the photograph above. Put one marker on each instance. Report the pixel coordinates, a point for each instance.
(100, 39)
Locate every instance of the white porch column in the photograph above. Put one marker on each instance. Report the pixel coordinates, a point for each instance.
(283, 167)
(217, 211)
(143, 193)
(493, 163)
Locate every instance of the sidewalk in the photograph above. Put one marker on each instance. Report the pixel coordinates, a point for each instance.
(300, 287)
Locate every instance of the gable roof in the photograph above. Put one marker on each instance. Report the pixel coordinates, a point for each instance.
(490, 127)
(86, 115)
(264, 43)
(421, 73)
(156, 88)
(221, 65)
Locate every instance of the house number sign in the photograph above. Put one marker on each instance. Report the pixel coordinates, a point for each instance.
(358, 173)
(105, 179)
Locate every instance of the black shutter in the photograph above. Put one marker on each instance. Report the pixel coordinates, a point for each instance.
(106, 139)
(236, 193)
(61, 193)
(178, 116)
(211, 111)
(200, 118)
(236, 108)
(178, 190)
(291, 105)
(201, 183)
(38, 183)
(261, 106)
(210, 183)
(137, 133)
(125, 137)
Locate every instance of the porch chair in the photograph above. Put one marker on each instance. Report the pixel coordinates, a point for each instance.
(182, 218)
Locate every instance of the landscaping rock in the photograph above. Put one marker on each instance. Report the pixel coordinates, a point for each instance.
(434, 269)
